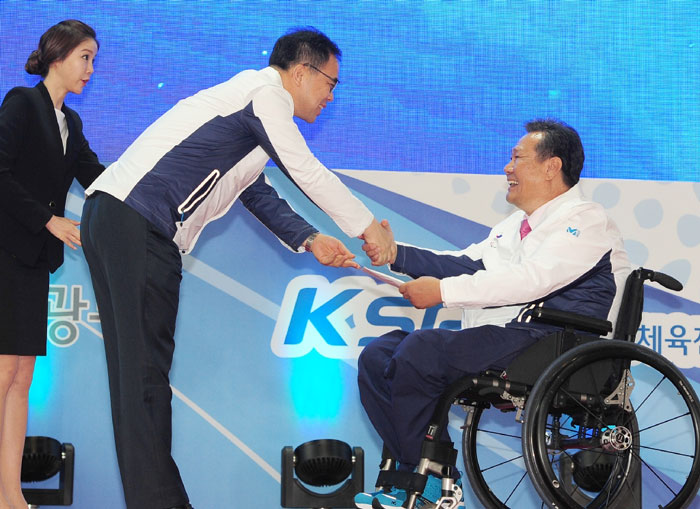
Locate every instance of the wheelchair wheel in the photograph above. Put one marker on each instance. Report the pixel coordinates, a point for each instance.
(493, 459)
(619, 423)
(494, 464)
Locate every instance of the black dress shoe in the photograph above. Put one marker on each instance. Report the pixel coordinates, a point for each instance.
(186, 506)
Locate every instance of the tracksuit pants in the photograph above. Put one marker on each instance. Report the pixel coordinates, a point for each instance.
(402, 375)
(136, 272)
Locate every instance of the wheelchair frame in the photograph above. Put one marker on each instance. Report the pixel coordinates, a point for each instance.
(580, 404)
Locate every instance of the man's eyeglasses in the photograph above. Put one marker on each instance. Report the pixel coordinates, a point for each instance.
(334, 80)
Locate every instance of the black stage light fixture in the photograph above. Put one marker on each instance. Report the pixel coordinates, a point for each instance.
(323, 463)
(42, 459)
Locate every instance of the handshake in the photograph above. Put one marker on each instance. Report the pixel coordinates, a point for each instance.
(379, 246)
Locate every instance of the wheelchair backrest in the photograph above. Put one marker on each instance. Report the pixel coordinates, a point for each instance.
(527, 367)
(632, 304)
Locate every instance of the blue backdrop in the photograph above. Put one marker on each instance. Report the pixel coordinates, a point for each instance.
(438, 87)
(441, 86)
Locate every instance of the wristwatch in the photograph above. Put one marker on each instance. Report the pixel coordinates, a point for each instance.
(310, 240)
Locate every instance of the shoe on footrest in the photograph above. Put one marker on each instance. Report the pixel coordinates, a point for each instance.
(365, 500)
(431, 498)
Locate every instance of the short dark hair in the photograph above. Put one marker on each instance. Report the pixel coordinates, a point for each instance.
(562, 141)
(57, 43)
(303, 45)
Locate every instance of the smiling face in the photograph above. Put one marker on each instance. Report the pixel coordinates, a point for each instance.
(314, 89)
(73, 73)
(530, 179)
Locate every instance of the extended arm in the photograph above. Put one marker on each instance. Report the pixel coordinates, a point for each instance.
(269, 117)
(277, 215)
(417, 262)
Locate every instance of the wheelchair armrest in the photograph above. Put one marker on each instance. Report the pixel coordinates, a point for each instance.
(574, 320)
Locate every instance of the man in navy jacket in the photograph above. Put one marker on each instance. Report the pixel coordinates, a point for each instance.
(558, 249)
(150, 206)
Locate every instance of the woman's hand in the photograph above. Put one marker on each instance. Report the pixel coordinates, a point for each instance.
(65, 230)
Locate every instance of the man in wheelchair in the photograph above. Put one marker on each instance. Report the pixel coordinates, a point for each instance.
(558, 249)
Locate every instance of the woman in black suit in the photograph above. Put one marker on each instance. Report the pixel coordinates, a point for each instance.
(42, 149)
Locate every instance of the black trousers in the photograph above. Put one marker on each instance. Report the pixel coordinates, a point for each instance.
(136, 273)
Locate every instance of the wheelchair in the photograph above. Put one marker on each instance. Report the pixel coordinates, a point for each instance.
(587, 422)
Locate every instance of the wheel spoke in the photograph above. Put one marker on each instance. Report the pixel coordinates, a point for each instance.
(655, 474)
(665, 422)
(491, 432)
(650, 393)
(505, 502)
(501, 463)
(649, 448)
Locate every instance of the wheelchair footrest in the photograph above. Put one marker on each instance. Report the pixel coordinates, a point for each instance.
(412, 482)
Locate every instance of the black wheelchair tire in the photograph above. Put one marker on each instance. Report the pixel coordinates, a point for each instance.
(474, 469)
(472, 466)
(545, 390)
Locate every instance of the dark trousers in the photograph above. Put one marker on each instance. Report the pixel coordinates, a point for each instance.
(136, 273)
(402, 375)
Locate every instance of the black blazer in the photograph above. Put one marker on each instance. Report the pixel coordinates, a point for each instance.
(35, 174)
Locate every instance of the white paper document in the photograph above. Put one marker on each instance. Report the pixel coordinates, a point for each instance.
(384, 278)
